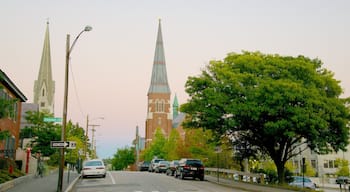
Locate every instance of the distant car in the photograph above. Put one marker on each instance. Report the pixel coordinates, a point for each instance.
(190, 168)
(153, 164)
(143, 166)
(298, 182)
(172, 167)
(93, 168)
(342, 180)
(161, 167)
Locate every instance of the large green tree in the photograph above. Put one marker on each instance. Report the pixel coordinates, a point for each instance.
(41, 132)
(272, 102)
(6, 106)
(123, 158)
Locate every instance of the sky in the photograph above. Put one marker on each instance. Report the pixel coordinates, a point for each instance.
(110, 66)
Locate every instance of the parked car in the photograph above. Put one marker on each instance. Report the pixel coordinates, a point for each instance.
(143, 166)
(153, 164)
(94, 167)
(190, 168)
(161, 167)
(298, 182)
(342, 180)
(172, 167)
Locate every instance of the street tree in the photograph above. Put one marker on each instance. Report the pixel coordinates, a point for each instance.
(156, 148)
(123, 158)
(40, 132)
(274, 103)
(6, 107)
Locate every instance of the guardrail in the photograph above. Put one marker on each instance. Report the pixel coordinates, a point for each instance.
(235, 175)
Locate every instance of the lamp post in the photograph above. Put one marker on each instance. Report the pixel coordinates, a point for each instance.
(65, 104)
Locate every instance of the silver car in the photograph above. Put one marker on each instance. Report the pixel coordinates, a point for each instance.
(305, 182)
(94, 167)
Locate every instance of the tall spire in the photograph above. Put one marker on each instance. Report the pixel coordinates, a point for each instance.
(175, 107)
(44, 86)
(159, 80)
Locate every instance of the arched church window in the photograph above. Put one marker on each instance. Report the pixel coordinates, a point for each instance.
(43, 93)
(160, 105)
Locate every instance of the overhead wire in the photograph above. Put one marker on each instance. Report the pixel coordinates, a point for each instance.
(76, 90)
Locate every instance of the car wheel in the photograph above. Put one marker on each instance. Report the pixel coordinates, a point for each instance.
(182, 176)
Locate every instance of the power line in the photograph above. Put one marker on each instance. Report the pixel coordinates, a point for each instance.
(76, 91)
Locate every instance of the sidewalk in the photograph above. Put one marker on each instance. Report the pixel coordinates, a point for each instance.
(261, 188)
(48, 183)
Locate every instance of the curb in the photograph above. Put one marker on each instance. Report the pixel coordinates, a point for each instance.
(9, 184)
(71, 185)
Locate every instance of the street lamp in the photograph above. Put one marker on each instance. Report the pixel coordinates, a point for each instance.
(69, 49)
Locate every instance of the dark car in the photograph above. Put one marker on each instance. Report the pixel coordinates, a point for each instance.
(172, 167)
(143, 166)
(190, 168)
(342, 180)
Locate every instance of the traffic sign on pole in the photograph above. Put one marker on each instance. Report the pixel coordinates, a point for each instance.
(72, 145)
(59, 144)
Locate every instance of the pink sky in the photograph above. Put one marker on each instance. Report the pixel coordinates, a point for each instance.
(112, 64)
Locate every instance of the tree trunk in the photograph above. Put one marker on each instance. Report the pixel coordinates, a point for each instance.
(280, 172)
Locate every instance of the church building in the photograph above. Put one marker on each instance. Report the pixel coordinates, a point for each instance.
(44, 86)
(158, 112)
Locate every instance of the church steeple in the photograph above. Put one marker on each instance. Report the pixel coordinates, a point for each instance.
(158, 110)
(44, 86)
(159, 80)
(175, 107)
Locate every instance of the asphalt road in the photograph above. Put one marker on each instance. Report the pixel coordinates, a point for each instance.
(125, 181)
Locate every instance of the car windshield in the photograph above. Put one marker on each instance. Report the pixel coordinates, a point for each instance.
(300, 179)
(93, 163)
(194, 162)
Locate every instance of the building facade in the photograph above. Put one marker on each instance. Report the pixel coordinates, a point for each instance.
(44, 86)
(10, 119)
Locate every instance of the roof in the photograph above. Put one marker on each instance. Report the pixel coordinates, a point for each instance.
(6, 81)
(159, 80)
(178, 120)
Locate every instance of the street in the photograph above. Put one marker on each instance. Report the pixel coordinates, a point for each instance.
(126, 181)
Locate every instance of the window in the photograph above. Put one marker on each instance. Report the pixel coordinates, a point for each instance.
(313, 163)
(42, 104)
(160, 106)
(325, 163)
(329, 164)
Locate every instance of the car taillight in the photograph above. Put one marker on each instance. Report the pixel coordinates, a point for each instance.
(100, 168)
(85, 168)
(201, 168)
(186, 167)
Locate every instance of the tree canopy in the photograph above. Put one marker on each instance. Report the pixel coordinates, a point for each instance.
(274, 103)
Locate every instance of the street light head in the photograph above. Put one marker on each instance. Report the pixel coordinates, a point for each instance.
(88, 28)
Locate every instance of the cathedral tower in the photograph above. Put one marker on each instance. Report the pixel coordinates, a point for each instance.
(158, 112)
(44, 86)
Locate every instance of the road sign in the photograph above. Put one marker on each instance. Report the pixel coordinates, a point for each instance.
(59, 144)
(71, 145)
(52, 119)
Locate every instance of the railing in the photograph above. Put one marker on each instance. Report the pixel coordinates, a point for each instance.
(235, 175)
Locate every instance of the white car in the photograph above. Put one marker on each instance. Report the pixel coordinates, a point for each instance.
(94, 167)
